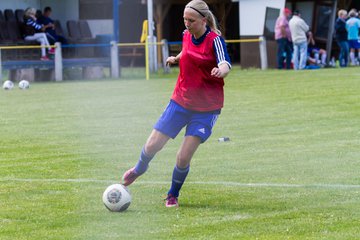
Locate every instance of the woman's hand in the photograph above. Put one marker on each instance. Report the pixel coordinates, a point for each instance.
(171, 60)
(216, 72)
(221, 71)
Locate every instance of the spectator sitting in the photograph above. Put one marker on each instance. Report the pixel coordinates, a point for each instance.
(315, 55)
(45, 19)
(34, 32)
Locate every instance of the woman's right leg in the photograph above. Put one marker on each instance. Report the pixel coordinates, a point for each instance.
(154, 144)
(173, 119)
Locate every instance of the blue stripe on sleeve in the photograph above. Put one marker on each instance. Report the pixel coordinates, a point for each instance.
(221, 53)
(33, 24)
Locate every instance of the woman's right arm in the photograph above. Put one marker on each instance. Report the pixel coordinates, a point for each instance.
(44, 27)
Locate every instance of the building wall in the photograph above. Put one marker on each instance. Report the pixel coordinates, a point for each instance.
(306, 9)
(252, 19)
(252, 15)
(62, 10)
(18, 4)
(101, 26)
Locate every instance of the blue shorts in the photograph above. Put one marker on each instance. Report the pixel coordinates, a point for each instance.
(354, 44)
(175, 117)
(313, 50)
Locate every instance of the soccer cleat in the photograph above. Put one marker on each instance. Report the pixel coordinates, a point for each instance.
(51, 51)
(44, 58)
(171, 201)
(129, 176)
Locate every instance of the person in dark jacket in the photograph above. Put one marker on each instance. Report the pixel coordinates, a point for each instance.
(342, 37)
(45, 19)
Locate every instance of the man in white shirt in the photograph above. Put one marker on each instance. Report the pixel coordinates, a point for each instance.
(298, 29)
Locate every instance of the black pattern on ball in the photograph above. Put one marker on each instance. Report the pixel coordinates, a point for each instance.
(123, 208)
(114, 196)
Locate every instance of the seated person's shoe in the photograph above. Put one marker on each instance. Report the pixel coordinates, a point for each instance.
(51, 51)
(44, 58)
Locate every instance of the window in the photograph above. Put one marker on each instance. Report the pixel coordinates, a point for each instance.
(270, 19)
(323, 19)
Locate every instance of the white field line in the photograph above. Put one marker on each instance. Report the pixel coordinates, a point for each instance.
(220, 183)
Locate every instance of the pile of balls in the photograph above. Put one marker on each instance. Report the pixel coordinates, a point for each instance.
(23, 84)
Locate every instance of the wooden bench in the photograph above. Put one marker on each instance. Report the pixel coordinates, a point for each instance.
(132, 53)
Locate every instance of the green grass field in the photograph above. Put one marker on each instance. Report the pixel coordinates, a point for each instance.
(290, 171)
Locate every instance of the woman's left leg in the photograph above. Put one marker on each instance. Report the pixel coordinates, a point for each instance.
(198, 131)
(182, 168)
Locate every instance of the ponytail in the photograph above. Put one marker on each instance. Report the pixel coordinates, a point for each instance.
(212, 23)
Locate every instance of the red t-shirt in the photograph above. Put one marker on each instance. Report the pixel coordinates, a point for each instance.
(195, 88)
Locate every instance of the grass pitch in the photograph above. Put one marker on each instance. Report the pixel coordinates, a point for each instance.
(290, 171)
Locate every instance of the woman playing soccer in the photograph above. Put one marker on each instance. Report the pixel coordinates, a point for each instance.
(197, 98)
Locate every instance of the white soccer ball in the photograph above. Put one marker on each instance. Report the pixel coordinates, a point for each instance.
(8, 85)
(23, 84)
(116, 198)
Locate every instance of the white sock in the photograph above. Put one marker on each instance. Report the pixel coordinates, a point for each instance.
(352, 57)
(316, 56)
(323, 58)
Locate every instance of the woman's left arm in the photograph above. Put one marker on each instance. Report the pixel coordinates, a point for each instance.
(222, 58)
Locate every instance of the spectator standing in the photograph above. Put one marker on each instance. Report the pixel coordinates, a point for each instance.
(35, 32)
(341, 36)
(45, 19)
(352, 27)
(283, 39)
(298, 30)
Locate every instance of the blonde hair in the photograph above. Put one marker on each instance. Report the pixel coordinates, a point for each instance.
(203, 9)
(29, 11)
(342, 12)
(353, 13)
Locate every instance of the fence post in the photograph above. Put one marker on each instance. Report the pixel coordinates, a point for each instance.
(165, 54)
(114, 58)
(147, 65)
(153, 66)
(0, 68)
(58, 62)
(263, 53)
